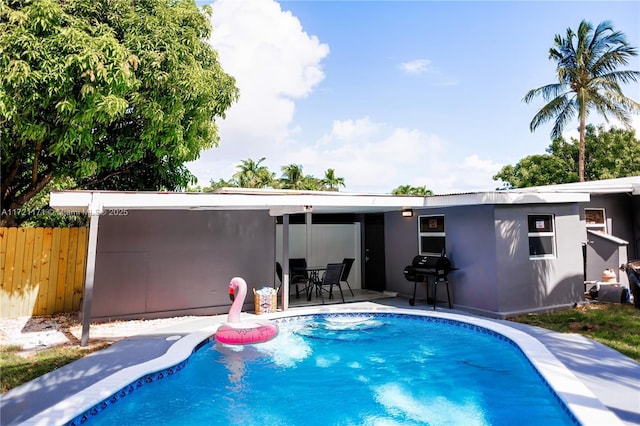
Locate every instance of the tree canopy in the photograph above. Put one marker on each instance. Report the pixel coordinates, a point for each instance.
(588, 79)
(609, 154)
(412, 190)
(252, 174)
(111, 94)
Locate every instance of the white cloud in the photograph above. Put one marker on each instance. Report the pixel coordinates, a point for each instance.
(417, 66)
(275, 63)
(374, 157)
(349, 130)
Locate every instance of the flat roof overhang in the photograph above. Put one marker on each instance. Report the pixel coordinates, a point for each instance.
(279, 202)
(628, 185)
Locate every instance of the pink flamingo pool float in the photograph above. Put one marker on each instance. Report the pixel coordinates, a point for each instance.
(236, 332)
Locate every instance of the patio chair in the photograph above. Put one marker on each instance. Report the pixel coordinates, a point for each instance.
(331, 277)
(299, 275)
(348, 263)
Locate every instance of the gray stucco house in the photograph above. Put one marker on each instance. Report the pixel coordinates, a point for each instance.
(167, 254)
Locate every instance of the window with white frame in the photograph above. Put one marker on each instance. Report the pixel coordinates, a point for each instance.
(542, 237)
(431, 235)
(595, 220)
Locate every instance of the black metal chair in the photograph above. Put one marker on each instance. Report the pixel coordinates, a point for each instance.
(299, 275)
(331, 277)
(348, 263)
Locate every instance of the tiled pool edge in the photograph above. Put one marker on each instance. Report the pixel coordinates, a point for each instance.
(575, 395)
(581, 402)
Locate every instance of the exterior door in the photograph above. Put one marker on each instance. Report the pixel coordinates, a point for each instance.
(374, 260)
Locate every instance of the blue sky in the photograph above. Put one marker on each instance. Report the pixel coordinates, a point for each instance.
(392, 93)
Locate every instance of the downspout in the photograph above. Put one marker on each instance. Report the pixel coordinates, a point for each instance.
(95, 211)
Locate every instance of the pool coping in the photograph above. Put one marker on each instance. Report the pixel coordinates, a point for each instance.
(577, 397)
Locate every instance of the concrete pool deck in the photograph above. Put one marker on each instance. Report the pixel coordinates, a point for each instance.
(611, 377)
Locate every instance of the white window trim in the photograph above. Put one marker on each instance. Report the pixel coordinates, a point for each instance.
(543, 234)
(430, 234)
(596, 226)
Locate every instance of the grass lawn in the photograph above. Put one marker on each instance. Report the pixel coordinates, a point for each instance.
(614, 325)
(17, 369)
(617, 326)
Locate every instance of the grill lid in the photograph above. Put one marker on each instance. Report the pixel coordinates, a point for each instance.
(440, 263)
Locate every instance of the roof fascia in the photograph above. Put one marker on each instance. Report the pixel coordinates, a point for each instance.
(506, 197)
(80, 201)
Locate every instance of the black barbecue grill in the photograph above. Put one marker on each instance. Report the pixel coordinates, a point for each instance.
(424, 267)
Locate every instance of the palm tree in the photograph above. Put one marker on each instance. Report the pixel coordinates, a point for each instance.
(331, 182)
(251, 174)
(412, 190)
(588, 79)
(292, 177)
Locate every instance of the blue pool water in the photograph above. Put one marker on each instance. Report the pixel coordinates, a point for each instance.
(350, 370)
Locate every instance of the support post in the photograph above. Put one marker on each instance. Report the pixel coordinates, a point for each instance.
(95, 210)
(309, 237)
(285, 262)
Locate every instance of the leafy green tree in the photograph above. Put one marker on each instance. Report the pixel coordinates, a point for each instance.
(251, 174)
(213, 185)
(536, 170)
(331, 182)
(37, 213)
(412, 190)
(588, 79)
(609, 154)
(114, 95)
(293, 178)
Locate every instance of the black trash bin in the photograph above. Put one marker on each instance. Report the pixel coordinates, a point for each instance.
(613, 293)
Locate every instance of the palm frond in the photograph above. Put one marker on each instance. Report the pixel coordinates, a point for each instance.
(550, 91)
(612, 59)
(624, 76)
(563, 114)
(561, 105)
(616, 104)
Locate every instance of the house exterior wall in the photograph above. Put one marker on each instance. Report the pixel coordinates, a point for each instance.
(471, 244)
(400, 246)
(163, 263)
(623, 221)
(526, 284)
(605, 253)
(489, 246)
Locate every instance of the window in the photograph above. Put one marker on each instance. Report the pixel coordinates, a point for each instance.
(431, 235)
(541, 236)
(595, 220)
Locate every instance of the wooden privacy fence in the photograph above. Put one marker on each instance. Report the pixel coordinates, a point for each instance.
(42, 270)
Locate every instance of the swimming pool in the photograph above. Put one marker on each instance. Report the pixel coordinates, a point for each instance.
(400, 398)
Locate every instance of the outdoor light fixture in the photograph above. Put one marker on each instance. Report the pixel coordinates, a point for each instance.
(407, 213)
